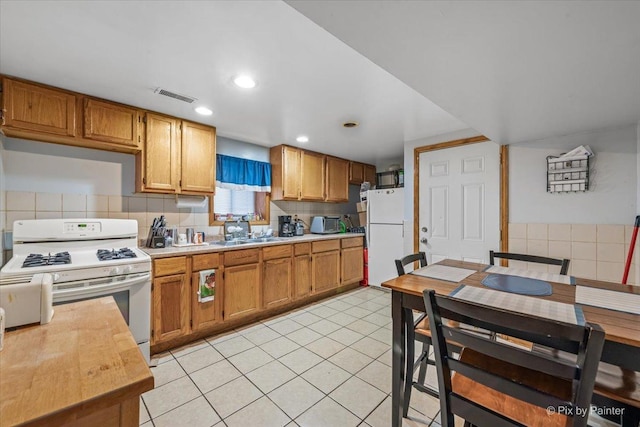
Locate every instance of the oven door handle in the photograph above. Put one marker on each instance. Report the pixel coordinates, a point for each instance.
(111, 286)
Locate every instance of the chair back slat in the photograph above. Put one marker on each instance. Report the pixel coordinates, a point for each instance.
(419, 256)
(535, 379)
(563, 263)
(511, 388)
(507, 353)
(469, 411)
(509, 321)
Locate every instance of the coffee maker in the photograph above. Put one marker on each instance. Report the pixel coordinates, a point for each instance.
(285, 227)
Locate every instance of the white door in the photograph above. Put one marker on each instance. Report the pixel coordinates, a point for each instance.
(459, 211)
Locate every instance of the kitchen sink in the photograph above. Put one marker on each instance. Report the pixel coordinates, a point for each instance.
(236, 242)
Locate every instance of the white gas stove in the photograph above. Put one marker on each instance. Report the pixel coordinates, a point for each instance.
(81, 259)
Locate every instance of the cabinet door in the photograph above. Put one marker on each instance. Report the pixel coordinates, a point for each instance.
(203, 314)
(198, 164)
(241, 291)
(162, 154)
(356, 173)
(370, 174)
(352, 265)
(37, 108)
(337, 180)
(276, 282)
(291, 173)
(325, 270)
(312, 176)
(113, 123)
(170, 307)
(302, 275)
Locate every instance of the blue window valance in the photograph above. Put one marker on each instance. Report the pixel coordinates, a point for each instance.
(235, 173)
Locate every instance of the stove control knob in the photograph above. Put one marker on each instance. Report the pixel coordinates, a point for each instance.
(127, 269)
(115, 271)
(55, 277)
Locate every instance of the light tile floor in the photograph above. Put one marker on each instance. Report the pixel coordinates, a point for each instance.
(325, 365)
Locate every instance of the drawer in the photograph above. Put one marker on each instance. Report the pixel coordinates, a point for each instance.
(166, 266)
(302, 248)
(325, 245)
(273, 252)
(205, 261)
(245, 256)
(352, 242)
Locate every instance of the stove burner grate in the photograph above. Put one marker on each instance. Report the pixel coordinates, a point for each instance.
(107, 255)
(37, 260)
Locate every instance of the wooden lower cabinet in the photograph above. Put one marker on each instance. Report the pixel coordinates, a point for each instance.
(205, 314)
(302, 276)
(352, 265)
(170, 307)
(241, 290)
(325, 270)
(276, 282)
(248, 282)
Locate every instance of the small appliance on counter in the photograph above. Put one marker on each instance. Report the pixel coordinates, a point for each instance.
(299, 228)
(26, 303)
(325, 225)
(285, 227)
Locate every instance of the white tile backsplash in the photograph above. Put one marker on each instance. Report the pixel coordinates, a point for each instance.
(74, 202)
(596, 251)
(51, 202)
(21, 201)
(610, 233)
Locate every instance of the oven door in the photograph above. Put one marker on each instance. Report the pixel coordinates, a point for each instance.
(132, 294)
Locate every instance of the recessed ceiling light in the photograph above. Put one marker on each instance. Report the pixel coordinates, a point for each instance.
(302, 138)
(244, 82)
(204, 111)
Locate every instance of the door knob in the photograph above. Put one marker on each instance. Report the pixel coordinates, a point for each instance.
(424, 240)
(424, 229)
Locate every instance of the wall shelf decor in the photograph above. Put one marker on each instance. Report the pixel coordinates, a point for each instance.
(567, 174)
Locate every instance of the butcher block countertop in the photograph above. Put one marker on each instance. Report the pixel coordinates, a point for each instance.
(83, 368)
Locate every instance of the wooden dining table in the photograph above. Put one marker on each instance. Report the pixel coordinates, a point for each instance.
(622, 329)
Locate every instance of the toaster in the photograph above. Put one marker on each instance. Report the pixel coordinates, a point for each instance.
(325, 225)
(26, 303)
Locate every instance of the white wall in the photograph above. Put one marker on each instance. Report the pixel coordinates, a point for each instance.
(613, 186)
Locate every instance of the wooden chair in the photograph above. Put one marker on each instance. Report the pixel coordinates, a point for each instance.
(563, 263)
(423, 335)
(495, 384)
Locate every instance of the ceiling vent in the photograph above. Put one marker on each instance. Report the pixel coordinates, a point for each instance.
(184, 98)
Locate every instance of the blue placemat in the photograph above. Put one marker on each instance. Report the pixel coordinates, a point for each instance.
(517, 284)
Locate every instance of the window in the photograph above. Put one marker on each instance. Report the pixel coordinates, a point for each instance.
(234, 204)
(242, 191)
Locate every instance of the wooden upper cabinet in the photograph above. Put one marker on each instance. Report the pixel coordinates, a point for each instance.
(370, 174)
(161, 154)
(356, 173)
(198, 164)
(312, 172)
(36, 108)
(285, 173)
(112, 123)
(337, 180)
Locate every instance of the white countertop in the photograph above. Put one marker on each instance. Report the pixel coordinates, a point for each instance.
(212, 247)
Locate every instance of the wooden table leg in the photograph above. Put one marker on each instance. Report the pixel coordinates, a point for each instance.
(397, 361)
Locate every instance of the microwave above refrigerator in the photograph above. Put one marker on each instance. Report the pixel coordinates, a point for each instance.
(390, 179)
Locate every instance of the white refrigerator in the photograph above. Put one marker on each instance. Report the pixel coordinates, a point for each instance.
(385, 233)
